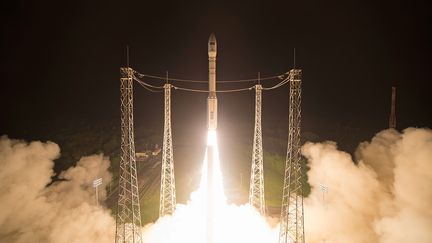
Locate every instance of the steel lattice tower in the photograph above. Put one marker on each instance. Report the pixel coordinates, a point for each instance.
(128, 223)
(167, 191)
(292, 221)
(256, 190)
(392, 119)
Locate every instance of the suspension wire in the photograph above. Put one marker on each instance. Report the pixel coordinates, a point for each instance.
(146, 84)
(217, 91)
(190, 90)
(281, 76)
(155, 89)
(280, 84)
(149, 89)
(285, 81)
(235, 90)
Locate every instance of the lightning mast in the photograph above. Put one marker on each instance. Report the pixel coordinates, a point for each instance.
(128, 221)
(167, 190)
(392, 119)
(292, 221)
(256, 190)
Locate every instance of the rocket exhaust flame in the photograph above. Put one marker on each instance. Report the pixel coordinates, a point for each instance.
(210, 190)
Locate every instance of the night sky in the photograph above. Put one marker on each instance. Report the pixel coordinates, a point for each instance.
(60, 63)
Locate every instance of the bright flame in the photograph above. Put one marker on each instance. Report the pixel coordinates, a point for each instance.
(219, 195)
(211, 138)
(228, 223)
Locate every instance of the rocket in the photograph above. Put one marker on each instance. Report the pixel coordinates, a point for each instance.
(211, 124)
(212, 99)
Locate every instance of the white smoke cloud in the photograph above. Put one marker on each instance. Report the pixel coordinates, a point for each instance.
(31, 210)
(384, 196)
(411, 219)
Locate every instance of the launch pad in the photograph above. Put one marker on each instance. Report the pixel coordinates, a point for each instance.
(128, 223)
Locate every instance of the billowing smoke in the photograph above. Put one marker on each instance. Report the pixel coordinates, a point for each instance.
(33, 210)
(384, 196)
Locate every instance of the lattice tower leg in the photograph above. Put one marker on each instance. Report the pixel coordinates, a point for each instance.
(167, 191)
(292, 220)
(256, 190)
(128, 223)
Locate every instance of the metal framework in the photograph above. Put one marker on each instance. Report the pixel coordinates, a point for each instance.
(256, 190)
(167, 191)
(128, 221)
(292, 221)
(392, 119)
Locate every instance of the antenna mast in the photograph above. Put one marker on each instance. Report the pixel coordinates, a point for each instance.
(392, 119)
(127, 56)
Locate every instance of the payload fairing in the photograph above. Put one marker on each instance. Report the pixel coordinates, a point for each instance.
(212, 99)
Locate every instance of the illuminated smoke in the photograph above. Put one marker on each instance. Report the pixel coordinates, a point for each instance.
(386, 196)
(65, 211)
(383, 196)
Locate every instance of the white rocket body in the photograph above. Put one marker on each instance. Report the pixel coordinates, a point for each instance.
(212, 99)
(212, 125)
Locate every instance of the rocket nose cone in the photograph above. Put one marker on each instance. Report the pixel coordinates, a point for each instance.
(212, 38)
(212, 49)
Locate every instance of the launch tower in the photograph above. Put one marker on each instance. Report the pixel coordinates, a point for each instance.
(167, 192)
(128, 222)
(292, 221)
(256, 190)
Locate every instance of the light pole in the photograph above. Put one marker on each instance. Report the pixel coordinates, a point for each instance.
(324, 189)
(96, 184)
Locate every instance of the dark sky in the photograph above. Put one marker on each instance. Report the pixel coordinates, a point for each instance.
(61, 59)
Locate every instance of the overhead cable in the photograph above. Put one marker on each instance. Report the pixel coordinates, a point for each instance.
(154, 88)
(217, 91)
(206, 81)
